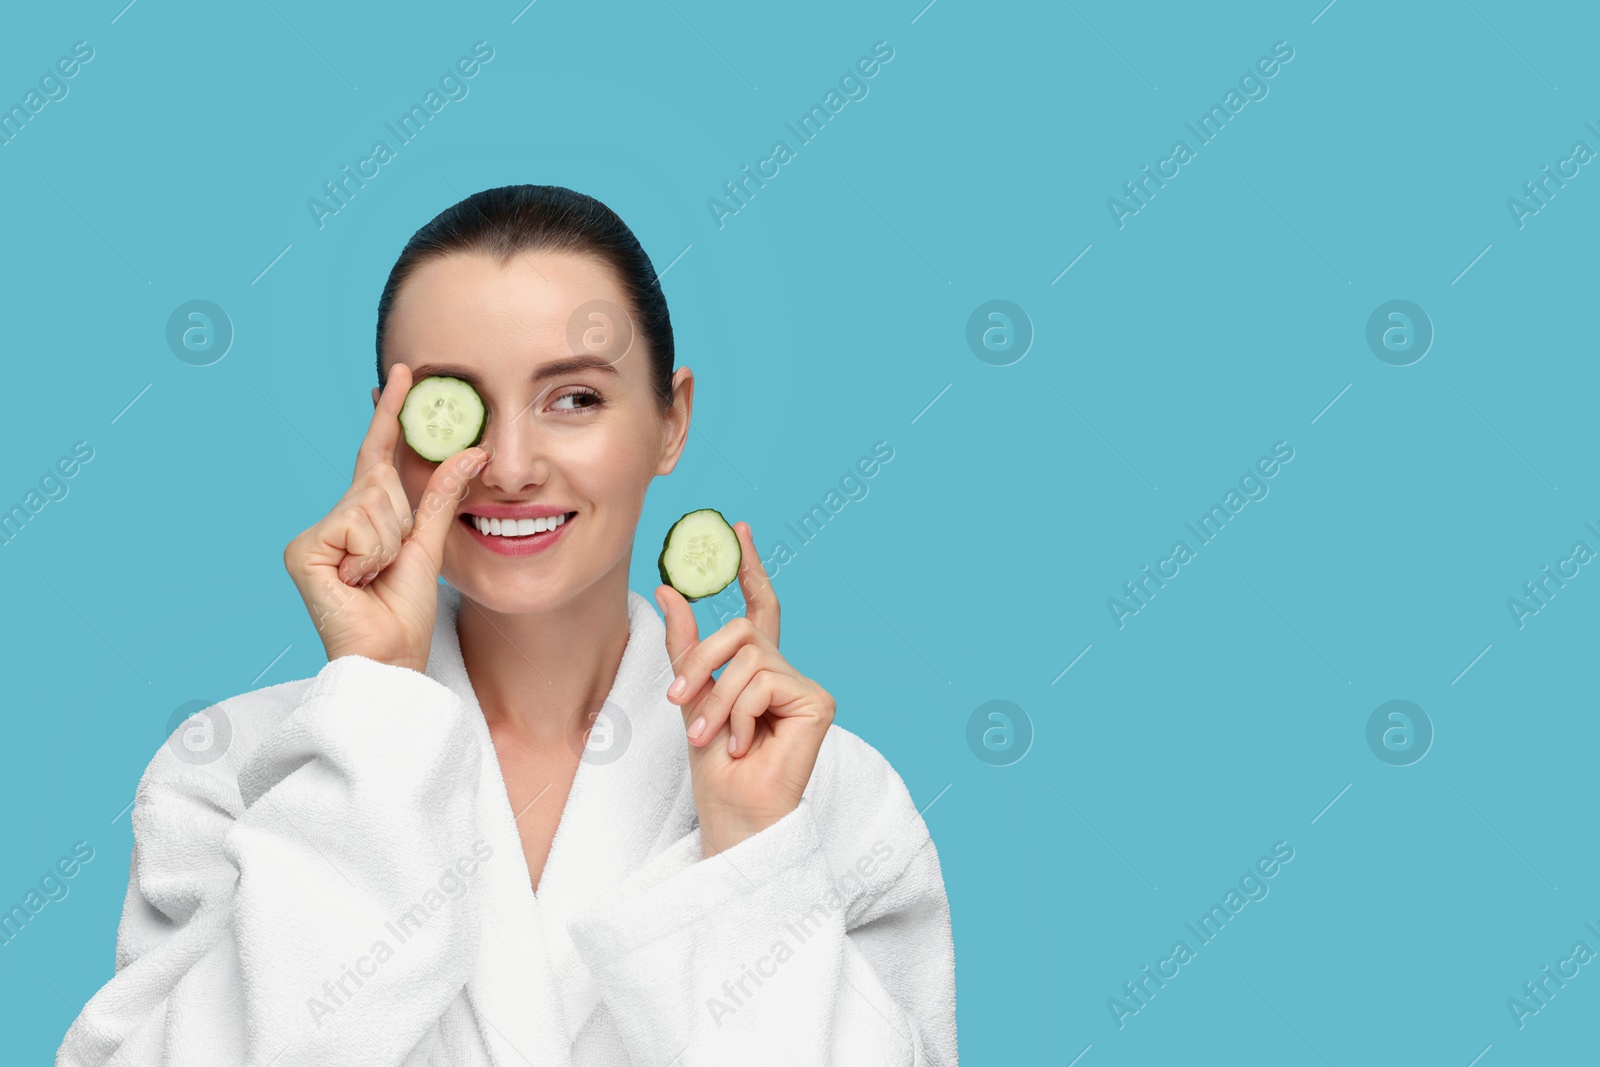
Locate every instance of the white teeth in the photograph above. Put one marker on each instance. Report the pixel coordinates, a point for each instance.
(516, 527)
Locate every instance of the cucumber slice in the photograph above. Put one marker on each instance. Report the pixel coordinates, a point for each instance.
(700, 555)
(441, 416)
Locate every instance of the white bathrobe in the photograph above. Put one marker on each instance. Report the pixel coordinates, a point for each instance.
(345, 885)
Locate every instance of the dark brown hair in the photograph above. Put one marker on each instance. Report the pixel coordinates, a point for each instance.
(519, 218)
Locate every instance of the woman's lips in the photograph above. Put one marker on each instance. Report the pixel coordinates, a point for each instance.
(517, 546)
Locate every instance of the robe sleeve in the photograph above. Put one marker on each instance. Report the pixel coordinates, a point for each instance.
(823, 940)
(312, 900)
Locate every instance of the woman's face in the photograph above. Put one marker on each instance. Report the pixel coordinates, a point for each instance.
(586, 440)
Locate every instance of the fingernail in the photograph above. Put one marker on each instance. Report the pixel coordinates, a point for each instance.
(676, 689)
(697, 727)
(733, 744)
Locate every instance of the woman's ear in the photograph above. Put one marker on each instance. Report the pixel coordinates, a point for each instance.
(376, 393)
(675, 424)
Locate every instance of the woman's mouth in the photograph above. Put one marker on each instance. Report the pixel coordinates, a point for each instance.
(516, 537)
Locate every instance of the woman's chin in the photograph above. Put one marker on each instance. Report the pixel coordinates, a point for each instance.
(498, 587)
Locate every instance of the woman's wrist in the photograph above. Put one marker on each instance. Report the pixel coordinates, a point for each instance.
(724, 831)
(392, 660)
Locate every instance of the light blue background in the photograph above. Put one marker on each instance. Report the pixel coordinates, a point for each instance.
(1224, 317)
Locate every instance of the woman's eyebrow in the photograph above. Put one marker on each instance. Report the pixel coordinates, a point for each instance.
(555, 368)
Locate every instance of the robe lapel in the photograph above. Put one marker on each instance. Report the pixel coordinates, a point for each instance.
(629, 800)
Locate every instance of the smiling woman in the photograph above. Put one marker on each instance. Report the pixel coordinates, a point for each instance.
(621, 893)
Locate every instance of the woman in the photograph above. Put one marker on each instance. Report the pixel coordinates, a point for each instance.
(482, 834)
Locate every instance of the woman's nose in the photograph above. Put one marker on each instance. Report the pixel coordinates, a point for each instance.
(518, 460)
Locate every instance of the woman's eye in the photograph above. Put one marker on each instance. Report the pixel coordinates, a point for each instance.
(581, 399)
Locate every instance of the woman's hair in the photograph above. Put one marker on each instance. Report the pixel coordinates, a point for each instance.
(519, 218)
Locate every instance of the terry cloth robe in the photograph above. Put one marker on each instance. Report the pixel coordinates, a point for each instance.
(345, 885)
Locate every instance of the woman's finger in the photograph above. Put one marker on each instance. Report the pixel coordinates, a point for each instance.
(707, 716)
(683, 632)
(760, 600)
(750, 705)
(444, 493)
(380, 510)
(382, 441)
(694, 670)
(385, 477)
(367, 532)
(352, 531)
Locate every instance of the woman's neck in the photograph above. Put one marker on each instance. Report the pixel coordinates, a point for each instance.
(543, 677)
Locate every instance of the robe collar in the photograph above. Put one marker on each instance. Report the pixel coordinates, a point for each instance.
(630, 799)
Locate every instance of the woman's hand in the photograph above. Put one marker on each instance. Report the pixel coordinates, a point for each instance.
(754, 733)
(369, 571)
